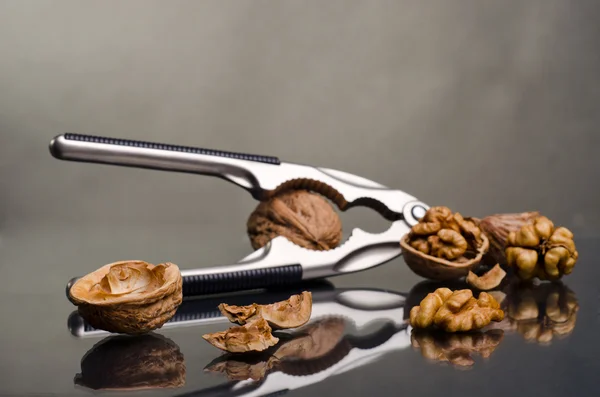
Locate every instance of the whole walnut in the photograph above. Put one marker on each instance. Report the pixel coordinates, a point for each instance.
(305, 218)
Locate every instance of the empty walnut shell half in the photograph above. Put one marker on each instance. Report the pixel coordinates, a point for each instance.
(129, 297)
(305, 218)
(290, 313)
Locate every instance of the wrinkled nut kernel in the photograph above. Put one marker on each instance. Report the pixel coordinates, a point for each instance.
(125, 363)
(456, 311)
(130, 297)
(490, 280)
(539, 250)
(443, 245)
(457, 349)
(305, 218)
(252, 336)
(291, 313)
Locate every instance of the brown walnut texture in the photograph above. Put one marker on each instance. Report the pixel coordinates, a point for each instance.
(444, 245)
(456, 311)
(130, 297)
(490, 280)
(538, 249)
(252, 336)
(291, 313)
(258, 321)
(132, 363)
(305, 218)
(457, 349)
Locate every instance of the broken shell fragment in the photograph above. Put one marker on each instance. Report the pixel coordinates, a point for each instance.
(490, 280)
(291, 313)
(252, 336)
(130, 297)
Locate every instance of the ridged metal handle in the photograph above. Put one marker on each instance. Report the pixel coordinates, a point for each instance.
(213, 283)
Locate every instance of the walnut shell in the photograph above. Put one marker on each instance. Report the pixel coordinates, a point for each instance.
(290, 313)
(253, 336)
(435, 268)
(132, 363)
(305, 218)
(129, 297)
(490, 280)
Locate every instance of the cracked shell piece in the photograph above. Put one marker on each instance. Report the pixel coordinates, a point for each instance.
(129, 297)
(252, 336)
(291, 313)
(490, 280)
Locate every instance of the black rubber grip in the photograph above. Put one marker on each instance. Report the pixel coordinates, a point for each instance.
(174, 148)
(243, 280)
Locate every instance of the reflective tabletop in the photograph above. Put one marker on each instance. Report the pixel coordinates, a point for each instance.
(356, 343)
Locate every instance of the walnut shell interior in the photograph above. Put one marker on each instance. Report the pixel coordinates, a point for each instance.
(436, 268)
(253, 336)
(130, 297)
(490, 280)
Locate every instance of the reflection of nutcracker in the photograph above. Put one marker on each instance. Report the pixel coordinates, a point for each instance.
(540, 312)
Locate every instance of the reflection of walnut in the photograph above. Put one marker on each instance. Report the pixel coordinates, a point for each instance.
(130, 297)
(541, 312)
(539, 250)
(455, 348)
(132, 363)
(455, 311)
(290, 313)
(252, 336)
(443, 245)
(305, 218)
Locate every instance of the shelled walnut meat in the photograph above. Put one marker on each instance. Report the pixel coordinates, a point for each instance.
(532, 245)
(306, 219)
(130, 297)
(444, 245)
(456, 311)
(257, 323)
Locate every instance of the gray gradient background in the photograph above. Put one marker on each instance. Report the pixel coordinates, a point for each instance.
(483, 106)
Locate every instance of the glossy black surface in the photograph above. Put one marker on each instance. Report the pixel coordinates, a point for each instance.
(524, 357)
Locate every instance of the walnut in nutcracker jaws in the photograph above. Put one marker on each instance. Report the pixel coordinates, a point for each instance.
(444, 245)
(130, 297)
(456, 311)
(305, 218)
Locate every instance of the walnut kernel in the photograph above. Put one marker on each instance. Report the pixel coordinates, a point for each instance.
(456, 311)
